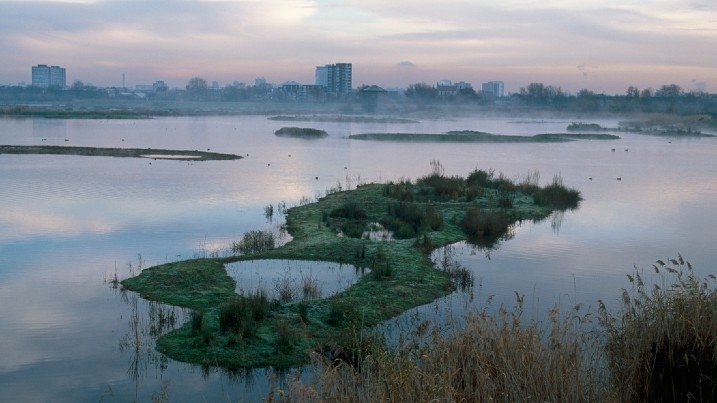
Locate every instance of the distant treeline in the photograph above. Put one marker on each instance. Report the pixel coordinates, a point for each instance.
(669, 98)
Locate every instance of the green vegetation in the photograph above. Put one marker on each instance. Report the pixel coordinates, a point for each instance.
(249, 331)
(661, 347)
(302, 132)
(584, 127)
(119, 152)
(469, 136)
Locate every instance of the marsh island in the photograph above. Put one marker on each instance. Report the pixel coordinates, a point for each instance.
(250, 330)
(153, 153)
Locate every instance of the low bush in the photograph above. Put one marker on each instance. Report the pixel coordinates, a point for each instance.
(557, 196)
(241, 315)
(406, 220)
(485, 229)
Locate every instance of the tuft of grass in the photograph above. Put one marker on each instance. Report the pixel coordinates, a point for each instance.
(310, 287)
(557, 196)
(242, 315)
(662, 345)
(486, 229)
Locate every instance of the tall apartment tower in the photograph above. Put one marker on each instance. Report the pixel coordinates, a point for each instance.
(336, 78)
(45, 76)
(493, 88)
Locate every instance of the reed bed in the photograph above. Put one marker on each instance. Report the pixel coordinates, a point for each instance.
(658, 347)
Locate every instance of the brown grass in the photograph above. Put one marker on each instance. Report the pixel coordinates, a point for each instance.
(660, 346)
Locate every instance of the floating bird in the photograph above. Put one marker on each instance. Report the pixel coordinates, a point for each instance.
(619, 179)
(613, 150)
(317, 178)
(268, 165)
(591, 178)
(626, 149)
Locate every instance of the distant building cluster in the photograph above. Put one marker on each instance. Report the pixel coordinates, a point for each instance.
(332, 81)
(44, 76)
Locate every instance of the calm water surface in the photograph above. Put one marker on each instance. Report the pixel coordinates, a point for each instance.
(68, 224)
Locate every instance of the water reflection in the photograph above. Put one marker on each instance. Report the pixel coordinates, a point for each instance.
(287, 280)
(66, 219)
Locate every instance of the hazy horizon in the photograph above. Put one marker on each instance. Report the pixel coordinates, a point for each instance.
(604, 46)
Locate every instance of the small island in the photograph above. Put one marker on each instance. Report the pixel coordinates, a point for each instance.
(153, 153)
(301, 132)
(471, 136)
(249, 330)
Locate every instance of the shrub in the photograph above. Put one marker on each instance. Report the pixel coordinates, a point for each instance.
(381, 266)
(441, 187)
(286, 336)
(557, 196)
(402, 191)
(340, 312)
(662, 345)
(479, 178)
(254, 242)
(406, 220)
(485, 229)
(349, 210)
(242, 314)
(197, 319)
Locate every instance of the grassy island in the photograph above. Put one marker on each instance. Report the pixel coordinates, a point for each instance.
(248, 330)
(154, 153)
(301, 132)
(470, 136)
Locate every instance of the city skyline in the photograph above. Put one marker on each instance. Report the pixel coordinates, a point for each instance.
(603, 46)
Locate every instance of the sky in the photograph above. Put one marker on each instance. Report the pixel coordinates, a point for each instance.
(601, 45)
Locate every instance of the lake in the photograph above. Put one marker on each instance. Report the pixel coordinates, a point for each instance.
(69, 224)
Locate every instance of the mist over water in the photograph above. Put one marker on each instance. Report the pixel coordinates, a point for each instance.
(69, 223)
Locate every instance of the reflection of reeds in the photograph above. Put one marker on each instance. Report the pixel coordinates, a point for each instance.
(461, 276)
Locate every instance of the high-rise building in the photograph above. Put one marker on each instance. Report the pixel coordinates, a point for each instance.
(45, 76)
(336, 78)
(493, 88)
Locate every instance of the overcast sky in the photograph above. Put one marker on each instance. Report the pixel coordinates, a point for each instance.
(602, 45)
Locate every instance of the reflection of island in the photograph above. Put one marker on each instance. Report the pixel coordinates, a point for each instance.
(252, 329)
(119, 152)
